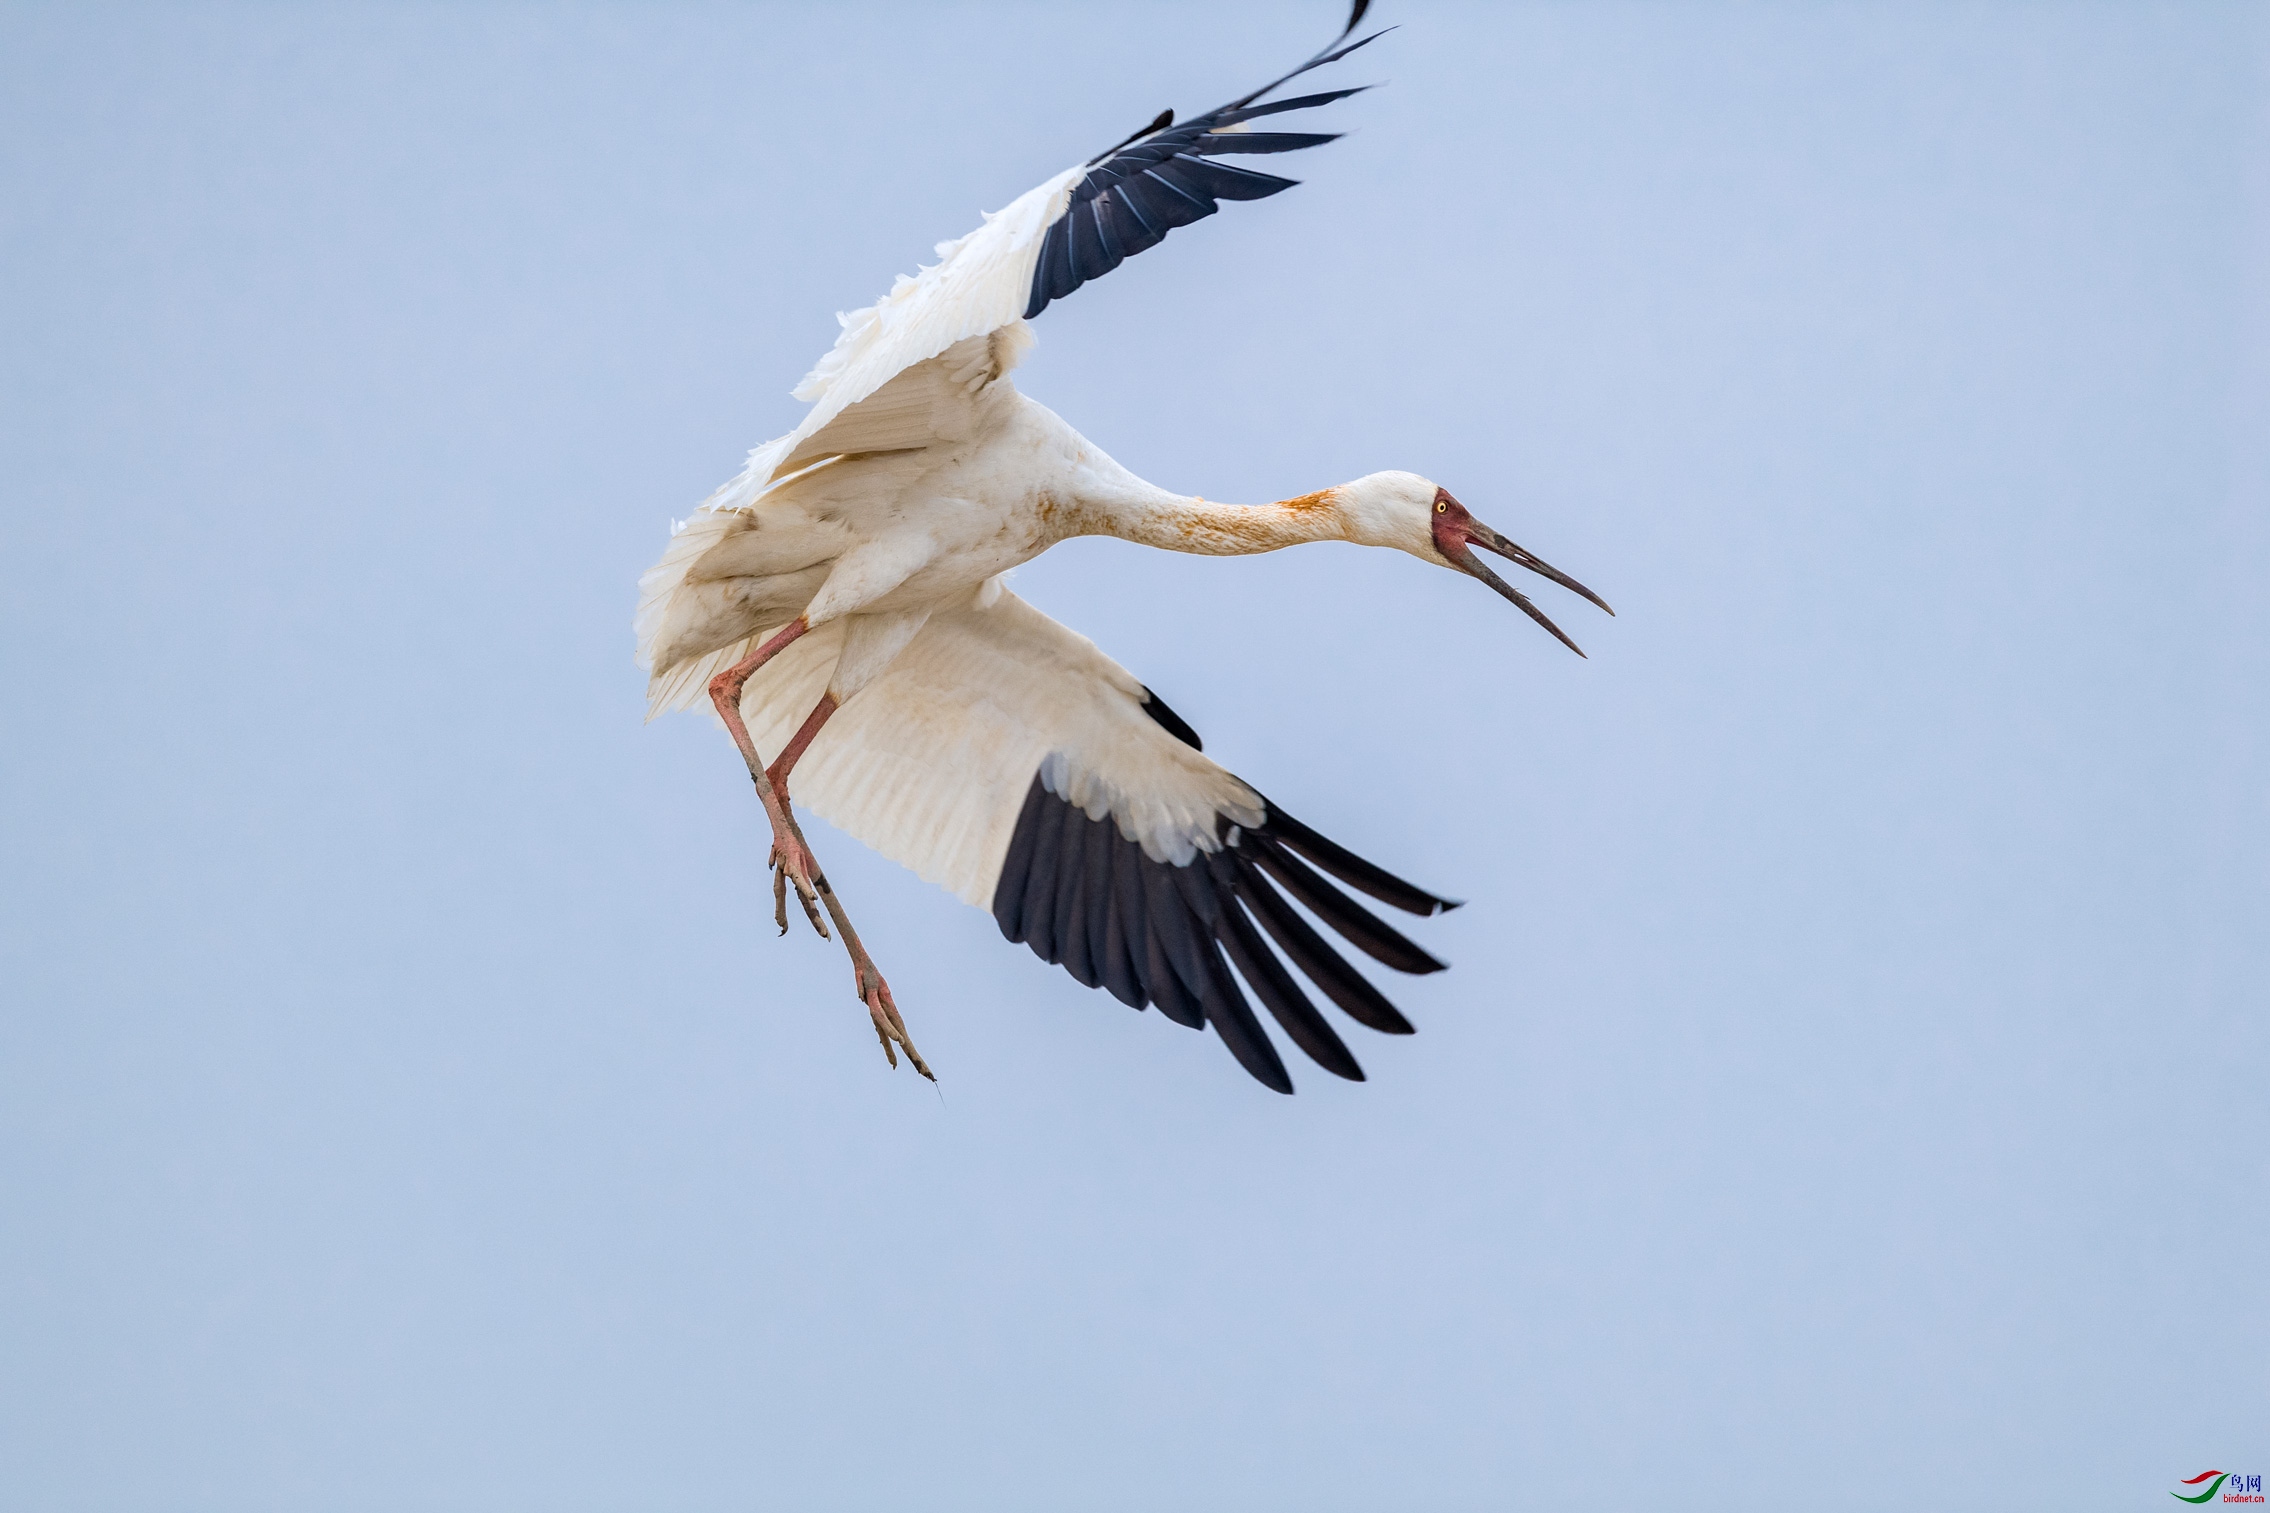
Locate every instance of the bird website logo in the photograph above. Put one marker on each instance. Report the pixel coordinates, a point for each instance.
(2236, 1486)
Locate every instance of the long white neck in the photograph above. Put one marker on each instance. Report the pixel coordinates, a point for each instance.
(1137, 511)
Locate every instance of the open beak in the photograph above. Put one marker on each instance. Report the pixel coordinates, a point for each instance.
(1482, 536)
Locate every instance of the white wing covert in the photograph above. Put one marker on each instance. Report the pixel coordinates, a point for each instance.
(978, 285)
(1079, 225)
(1007, 759)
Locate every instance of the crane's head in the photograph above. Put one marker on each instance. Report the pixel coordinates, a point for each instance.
(1419, 516)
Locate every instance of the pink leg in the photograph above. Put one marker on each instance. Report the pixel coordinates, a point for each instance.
(867, 979)
(778, 771)
(792, 858)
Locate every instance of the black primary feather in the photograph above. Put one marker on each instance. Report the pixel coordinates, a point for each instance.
(1087, 898)
(1355, 871)
(1163, 176)
(1174, 724)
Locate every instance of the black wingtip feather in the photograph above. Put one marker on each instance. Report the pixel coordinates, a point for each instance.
(1160, 122)
(1107, 944)
(1275, 987)
(1177, 940)
(1363, 876)
(1074, 950)
(1226, 1008)
(1087, 898)
(1260, 143)
(1160, 979)
(1361, 928)
(1009, 902)
(1200, 176)
(1043, 869)
(1070, 257)
(1322, 965)
(1174, 724)
(1245, 113)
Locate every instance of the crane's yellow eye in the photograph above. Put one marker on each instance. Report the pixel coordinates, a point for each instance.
(1440, 507)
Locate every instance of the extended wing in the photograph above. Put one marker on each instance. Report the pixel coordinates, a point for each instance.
(1007, 759)
(1165, 176)
(1079, 225)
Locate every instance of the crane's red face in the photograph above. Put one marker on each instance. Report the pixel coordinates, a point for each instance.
(1457, 533)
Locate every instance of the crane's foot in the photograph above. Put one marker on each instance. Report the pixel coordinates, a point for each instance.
(889, 1028)
(791, 862)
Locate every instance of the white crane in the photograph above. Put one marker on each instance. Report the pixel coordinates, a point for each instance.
(840, 603)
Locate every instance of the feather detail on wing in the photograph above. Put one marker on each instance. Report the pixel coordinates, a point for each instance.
(1165, 176)
(979, 284)
(941, 399)
(1080, 224)
(929, 764)
(1007, 759)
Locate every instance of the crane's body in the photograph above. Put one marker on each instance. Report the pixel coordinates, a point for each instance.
(888, 537)
(841, 604)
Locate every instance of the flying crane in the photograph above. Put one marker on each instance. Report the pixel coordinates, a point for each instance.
(841, 604)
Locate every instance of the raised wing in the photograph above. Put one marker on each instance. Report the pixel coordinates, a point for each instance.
(1166, 176)
(930, 402)
(972, 295)
(1079, 225)
(1007, 759)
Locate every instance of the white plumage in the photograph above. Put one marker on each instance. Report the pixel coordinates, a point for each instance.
(978, 285)
(929, 763)
(848, 584)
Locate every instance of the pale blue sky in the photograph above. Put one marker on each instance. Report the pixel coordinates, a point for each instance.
(1851, 1082)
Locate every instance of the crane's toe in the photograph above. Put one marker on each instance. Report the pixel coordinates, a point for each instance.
(791, 863)
(889, 1028)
